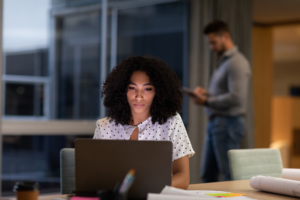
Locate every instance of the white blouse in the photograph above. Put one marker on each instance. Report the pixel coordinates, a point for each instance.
(173, 130)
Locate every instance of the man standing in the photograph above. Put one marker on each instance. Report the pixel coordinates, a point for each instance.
(225, 103)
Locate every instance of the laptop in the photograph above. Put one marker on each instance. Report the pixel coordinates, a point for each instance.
(100, 164)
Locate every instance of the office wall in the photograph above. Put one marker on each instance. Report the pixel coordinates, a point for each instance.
(262, 60)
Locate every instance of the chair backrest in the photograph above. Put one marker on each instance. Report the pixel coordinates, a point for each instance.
(67, 170)
(246, 163)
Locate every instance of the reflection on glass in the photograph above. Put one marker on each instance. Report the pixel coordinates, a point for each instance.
(79, 73)
(153, 30)
(34, 158)
(24, 99)
(28, 63)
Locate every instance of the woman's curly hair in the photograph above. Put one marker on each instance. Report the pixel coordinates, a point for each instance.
(168, 97)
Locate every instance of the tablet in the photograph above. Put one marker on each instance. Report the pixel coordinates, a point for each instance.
(189, 92)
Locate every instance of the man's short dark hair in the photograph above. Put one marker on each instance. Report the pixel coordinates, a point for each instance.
(217, 27)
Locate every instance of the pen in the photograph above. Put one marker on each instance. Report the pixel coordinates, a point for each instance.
(128, 185)
(128, 178)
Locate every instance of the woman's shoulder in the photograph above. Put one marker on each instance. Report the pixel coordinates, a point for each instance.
(173, 122)
(104, 122)
(174, 118)
(107, 122)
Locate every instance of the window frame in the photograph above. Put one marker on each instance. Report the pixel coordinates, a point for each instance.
(43, 80)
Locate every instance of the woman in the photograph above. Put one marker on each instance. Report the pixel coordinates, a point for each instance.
(143, 97)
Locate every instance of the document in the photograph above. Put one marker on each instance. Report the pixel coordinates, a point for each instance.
(179, 194)
(276, 185)
(175, 197)
(197, 193)
(293, 174)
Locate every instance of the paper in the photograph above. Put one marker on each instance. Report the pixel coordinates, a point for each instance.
(293, 174)
(175, 191)
(276, 185)
(84, 198)
(169, 192)
(151, 196)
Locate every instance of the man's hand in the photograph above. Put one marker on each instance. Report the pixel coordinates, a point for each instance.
(201, 94)
(199, 90)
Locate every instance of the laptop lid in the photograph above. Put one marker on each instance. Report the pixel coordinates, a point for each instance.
(100, 164)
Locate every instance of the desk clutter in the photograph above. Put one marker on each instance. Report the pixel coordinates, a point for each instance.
(289, 184)
(27, 190)
(171, 193)
(118, 193)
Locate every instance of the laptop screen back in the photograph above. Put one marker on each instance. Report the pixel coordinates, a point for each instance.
(100, 164)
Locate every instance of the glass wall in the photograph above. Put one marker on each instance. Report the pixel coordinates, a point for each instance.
(79, 66)
(157, 30)
(55, 73)
(34, 158)
(25, 78)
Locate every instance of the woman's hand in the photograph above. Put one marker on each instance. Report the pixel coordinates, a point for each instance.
(181, 173)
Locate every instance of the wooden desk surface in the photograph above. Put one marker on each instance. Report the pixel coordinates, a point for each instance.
(243, 187)
(228, 186)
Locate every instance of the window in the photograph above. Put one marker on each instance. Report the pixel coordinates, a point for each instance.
(26, 84)
(52, 89)
(34, 158)
(78, 69)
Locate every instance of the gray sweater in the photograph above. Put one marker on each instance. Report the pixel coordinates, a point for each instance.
(229, 85)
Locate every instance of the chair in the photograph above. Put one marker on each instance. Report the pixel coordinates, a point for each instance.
(67, 171)
(246, 163)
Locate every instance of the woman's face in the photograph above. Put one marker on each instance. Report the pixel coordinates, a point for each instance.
(140, 93)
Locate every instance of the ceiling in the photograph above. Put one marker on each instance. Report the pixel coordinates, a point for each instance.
(276, 11)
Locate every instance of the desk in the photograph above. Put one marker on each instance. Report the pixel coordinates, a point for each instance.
(228, 186)
(243, 187)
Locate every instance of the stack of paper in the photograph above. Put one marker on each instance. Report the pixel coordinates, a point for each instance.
(179, 194)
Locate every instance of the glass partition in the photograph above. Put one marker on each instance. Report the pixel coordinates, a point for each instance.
(34, 158)
(53, 72)
(78, 67)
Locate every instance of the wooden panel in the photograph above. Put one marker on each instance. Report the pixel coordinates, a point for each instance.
(295, 143)
(295, 162)
(296, 112)
(286, 125)
(282, 119)
(262, 84)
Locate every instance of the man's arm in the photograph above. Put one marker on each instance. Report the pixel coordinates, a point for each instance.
(238, 82)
